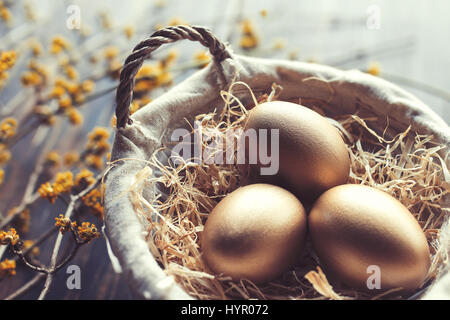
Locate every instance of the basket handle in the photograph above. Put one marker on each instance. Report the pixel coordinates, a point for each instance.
(142, 52)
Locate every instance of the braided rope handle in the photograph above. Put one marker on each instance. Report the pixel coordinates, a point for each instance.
(142, 52)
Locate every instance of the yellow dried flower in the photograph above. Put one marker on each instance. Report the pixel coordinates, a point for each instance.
(113, 121)
(87, 86)
(94, 161)
(84, 178)
(98, 133)
(114, 68)
(7, 268)
(63, 182)
(31, 78)
(176, 21)
(7, 60)
(93, 201)
(59, 43)
(111, 52)
(374, 68)
(8, 128)
(129, 31)
(52, 158)
(5, 155)
(2, 176)
(71, 72)
(57, 92)
(75, 117)
(279, 44)
(71, 158)
(202, 58)
(5, 14)
(36, 48)
(65, 102)
(88, 231)
(134, 107)
(9, 237)
(64, 224)
(249, 39)
(47, 191)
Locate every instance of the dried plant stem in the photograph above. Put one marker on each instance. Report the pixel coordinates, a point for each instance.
(29, 285)
(19, 209)
(69, 212)
(29, 197)
(37, 242)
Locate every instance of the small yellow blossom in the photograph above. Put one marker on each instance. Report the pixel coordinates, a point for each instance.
(2, 176)
(47, 191)
(36, 48)
(114, 68)
(87, 86)
(65, 102)
(111, 52)
(7, 268)
(105, 20)
(129, 31)
(98, 133)
(63, 182)
(7, 60)
(279, 44)
(57, 91)
(75, 117)
(5, 155)
(94, 161)
(113, 121)
(93, 201)
(176, 22)
(5, 14)
(84, 178)
(71, 72)
(263, 13)
(52, 158)
(8, 128)
(30, 78)
(59, 44)
(374, 68)
(71, 158)
(202, 58)
(88, 231)
(9, 237)
(249, 38)
(134, 106)
(64, 224)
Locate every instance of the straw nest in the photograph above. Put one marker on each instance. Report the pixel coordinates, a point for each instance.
(409, 166)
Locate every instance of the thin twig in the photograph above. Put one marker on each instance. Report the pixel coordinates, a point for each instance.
(29, 285)
(68, 214)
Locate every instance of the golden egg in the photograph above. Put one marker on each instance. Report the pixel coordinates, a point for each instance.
(256, 232)
(312, 154)
(367, 239)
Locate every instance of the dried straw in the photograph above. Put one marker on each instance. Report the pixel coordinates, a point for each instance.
(409, 166)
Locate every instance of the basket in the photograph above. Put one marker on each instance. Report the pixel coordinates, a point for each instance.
(139, 135)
